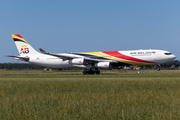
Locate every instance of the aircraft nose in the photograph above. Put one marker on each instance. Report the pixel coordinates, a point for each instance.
(173, 57)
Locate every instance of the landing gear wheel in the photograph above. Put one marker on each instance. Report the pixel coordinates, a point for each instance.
(97, 72)
(91, 72)
(84, 72)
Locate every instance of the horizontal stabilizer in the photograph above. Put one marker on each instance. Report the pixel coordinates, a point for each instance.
(20, 58)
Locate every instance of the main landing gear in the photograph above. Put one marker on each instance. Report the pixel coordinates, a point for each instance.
(158, 67)
(91, 71)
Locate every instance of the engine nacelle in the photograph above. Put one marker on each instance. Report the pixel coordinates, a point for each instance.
(104, 65)
(77, 61)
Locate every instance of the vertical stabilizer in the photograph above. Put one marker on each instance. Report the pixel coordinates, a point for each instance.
(24, 48)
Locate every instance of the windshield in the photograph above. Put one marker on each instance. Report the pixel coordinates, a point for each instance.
(167, 53)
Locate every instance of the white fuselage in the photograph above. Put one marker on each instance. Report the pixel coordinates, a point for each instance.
(90, 60)
(51, 61)
(153, 56)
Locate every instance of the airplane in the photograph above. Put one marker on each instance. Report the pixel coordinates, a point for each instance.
(91, 61)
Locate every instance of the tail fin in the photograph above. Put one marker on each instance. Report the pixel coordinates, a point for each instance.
(24, 48)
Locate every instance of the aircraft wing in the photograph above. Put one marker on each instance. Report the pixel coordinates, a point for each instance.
(70, 56)
(19, 57)
(64, 57)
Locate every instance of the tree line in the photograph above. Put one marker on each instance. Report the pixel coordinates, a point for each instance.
(175, 64)
(10, 66)
(19, 66)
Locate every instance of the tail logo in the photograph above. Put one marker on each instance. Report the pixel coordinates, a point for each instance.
(24, 49)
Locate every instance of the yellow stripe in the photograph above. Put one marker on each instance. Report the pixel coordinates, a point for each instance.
(118, 59)
(13, 36)
(95, 53)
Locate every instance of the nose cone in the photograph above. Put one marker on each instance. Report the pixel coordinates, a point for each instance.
(167, 57)
(173, 57)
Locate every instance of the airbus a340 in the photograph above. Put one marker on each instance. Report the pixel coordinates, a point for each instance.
(92, 61)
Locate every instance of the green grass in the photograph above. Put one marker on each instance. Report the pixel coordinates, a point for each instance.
(4, 71)
(90, 97)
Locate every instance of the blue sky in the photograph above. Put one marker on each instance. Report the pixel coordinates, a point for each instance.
(83, 26)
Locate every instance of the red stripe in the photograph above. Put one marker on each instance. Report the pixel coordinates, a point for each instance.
(121, 56)
(18, 35)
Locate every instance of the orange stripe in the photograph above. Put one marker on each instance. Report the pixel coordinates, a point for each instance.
(117, 59)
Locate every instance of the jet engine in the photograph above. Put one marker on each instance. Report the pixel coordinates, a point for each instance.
(77, 61)
(104, 65)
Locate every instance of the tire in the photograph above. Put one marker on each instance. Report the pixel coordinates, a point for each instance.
(158, 69)
(84, 72)
(98, 72)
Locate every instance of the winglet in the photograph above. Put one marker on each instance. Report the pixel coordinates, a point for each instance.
(42, 51)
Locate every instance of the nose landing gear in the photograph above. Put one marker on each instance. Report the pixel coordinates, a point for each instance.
(158, 67)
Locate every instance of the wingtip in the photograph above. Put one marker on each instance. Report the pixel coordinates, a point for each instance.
(42, 51)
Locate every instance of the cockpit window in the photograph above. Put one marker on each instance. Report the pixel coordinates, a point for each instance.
(167, 53)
